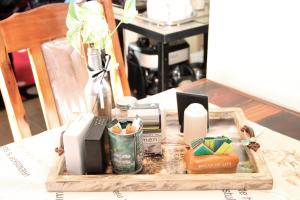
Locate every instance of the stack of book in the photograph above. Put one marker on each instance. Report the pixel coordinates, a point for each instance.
(151, 117)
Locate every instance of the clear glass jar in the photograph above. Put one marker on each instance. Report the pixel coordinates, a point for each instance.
(123, 105)
(104, 101)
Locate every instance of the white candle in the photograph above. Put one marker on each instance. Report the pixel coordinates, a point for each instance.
(195, 122)
(74, 144)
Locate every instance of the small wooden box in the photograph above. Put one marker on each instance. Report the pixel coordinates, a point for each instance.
(168, 172)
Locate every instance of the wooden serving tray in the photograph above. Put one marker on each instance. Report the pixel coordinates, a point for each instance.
(168, 172)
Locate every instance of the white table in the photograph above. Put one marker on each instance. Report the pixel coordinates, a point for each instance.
(24, 168)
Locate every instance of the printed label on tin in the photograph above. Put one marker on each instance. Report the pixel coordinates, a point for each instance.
(123, 162)
(152, 143)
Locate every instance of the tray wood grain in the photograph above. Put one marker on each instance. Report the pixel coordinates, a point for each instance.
(259, 179)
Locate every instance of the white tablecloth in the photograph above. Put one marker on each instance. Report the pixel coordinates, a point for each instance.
(24, 169)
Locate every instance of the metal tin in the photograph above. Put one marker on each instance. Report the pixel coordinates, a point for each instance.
(127, 152)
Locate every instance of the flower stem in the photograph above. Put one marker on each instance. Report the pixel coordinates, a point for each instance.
(110, 35)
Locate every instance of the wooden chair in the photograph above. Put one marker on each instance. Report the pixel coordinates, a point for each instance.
(29, 30)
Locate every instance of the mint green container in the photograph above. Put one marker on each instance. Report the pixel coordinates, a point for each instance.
(126, 152)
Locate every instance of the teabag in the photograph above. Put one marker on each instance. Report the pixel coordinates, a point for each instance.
(137, 122)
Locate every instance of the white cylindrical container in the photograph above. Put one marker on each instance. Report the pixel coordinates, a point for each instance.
(169, 10)
(195, 122)
(198, 4)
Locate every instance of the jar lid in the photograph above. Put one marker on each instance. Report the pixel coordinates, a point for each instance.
(126, 102)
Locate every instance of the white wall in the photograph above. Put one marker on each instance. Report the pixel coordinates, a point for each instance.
(254, 46)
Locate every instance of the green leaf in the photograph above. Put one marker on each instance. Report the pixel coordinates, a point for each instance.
(71, 11)
(86, 21)
(71, 20)
(92, 8)
(129, 11)
(74, 27)
(74, 38)
(92, 33)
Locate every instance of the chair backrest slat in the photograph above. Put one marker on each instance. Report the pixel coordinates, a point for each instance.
(12, 99)
(44, 88)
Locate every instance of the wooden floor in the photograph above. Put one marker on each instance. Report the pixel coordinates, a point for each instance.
(35, 119)
(264, 113)
(276, 118)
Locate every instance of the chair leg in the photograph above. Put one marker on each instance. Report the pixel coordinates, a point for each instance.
(13, 102)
